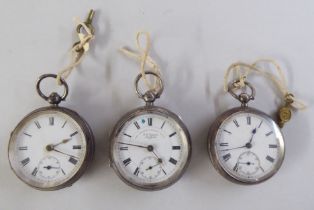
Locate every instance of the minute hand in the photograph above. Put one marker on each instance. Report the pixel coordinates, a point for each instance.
(233, 148)
(64, 153)
(135, 145)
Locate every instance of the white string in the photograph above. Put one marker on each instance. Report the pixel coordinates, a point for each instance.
(77, 52)
(143, 57)
(243, 70)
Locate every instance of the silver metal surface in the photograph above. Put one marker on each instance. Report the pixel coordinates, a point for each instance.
(243, 97)
(129, 116)
(54, 98)
(213, 153)
(150, 95)
(90, 146)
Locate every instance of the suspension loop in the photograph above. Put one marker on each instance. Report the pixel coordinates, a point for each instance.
(54, 98)
(244, 97)
(150, 95)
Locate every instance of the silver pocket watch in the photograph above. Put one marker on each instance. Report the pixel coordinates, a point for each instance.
(245, 145)
(150, 147)
(52, 146)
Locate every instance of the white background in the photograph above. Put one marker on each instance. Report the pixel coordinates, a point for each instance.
(193, 42)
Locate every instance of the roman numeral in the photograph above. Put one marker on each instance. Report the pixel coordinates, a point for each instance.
(73, 160)
(77, 147)
(35, 171)
(162, 124)
(37, 124)
(65, 122)
(272, 146)
(63, 171)
(164, 171)
(51, 120)
(25, 161)
(173, 161)
(23, 148)
(137, 170)
(227, 131)
(124, 148)
(236, 167)
(127, 161)
(150, 121)
(236, 123)
(224, 144)
(127, 135)
(248, 120)
(270, 159)
(269, 133)
(73, 134)
(137, 125)
(176, 147)
(26, 134)
(226, 157)
(260, 124)
(174, 133)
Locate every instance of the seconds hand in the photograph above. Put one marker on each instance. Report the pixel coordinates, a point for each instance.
(151, 167)
(50, 167)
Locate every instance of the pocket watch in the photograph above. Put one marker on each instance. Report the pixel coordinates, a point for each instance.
(245, 145)
(150, 147)
(52, 146)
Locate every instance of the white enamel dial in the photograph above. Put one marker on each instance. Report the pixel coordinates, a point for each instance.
(151, 150)
(47, 149)
(249, 146)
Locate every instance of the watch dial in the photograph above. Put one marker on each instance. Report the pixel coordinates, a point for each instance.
(249, 147)
(47, 149)
(151, 150)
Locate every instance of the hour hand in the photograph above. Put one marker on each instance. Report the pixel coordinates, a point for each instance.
(253, 133)
(64, 141)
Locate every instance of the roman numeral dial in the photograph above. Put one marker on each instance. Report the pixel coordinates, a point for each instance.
(47, 148)
(248, 146)
(149, 148)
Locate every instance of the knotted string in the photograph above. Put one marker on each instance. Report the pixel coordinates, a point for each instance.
(78, 50)
(243, 70)
(142, 56)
